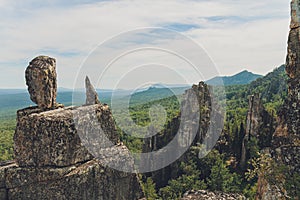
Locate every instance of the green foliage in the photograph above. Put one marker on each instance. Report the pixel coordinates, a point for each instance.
(132, 143)
(211, 172)
(149, 189)
(7, 128)
(265, 167)
(250, 191)
(292, 185)
(221, 179)
(189, 180)
(272, 87)
(155, 94)
(177, 187)
(142, 116)
(241, 78)
(275, 173)
(252, 147)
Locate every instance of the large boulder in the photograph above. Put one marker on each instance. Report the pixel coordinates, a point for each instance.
(41, 81)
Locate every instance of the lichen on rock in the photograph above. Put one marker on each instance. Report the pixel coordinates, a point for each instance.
(285, 140)
(41, 81)
(52, 158)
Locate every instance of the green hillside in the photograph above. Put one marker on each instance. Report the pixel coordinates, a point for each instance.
(273, 90)
(241, 78)
(154, 93)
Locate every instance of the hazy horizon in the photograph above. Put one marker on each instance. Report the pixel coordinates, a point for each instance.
(131, 89)
(235, 40)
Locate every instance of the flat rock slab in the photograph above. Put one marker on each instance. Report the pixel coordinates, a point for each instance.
(59, 137)
(89, 180)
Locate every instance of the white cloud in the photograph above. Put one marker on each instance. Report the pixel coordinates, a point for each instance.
(252, 35)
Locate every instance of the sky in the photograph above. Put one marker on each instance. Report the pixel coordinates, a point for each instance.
(83, 35)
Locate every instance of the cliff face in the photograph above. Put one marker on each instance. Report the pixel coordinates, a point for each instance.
(286, 140)
(197, 101)
(259, 124)
(89, 180)
(53, 149)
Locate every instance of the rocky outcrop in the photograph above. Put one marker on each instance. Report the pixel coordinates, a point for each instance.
(66, 153)
(54, 138)
(41, 81)
(198, 102)
(286, 139)
(207, 195)
(254, 115)
(259, 124)
(293, 57)
(267, 191)
(89, 180)
(91, 94)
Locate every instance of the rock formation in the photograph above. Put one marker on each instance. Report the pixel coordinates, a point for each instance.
(41, 81)
(63, 153)
(259, 124)
(91, 94)
(198, 98)
(286, 139)
(207, 195)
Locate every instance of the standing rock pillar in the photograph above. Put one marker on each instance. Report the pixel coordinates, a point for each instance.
(41, 81)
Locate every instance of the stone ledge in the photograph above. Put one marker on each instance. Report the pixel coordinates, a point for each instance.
(207, 195)
(56, 137)
(89, 180)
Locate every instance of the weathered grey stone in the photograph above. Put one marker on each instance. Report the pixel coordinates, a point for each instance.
(293, 57)
(207, 195)
(286, 139)
(55, 137)
(48, 139)
(66, 153)
(259, 124)
(2, 177)
(287, 135)
(89, 181)
(3, 169)
(295, 14)
(196, 113)
(3, 194)
(91, 94)
(54, 163)
(41, 81)
(4, 166)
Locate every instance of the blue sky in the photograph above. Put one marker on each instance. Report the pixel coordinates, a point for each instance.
(237, 35)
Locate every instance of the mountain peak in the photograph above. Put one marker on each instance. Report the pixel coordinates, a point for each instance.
(241, 78)
(245, 71)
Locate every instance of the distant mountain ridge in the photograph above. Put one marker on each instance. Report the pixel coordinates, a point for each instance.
(155, 93)
(242, 78)
(271, 87)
